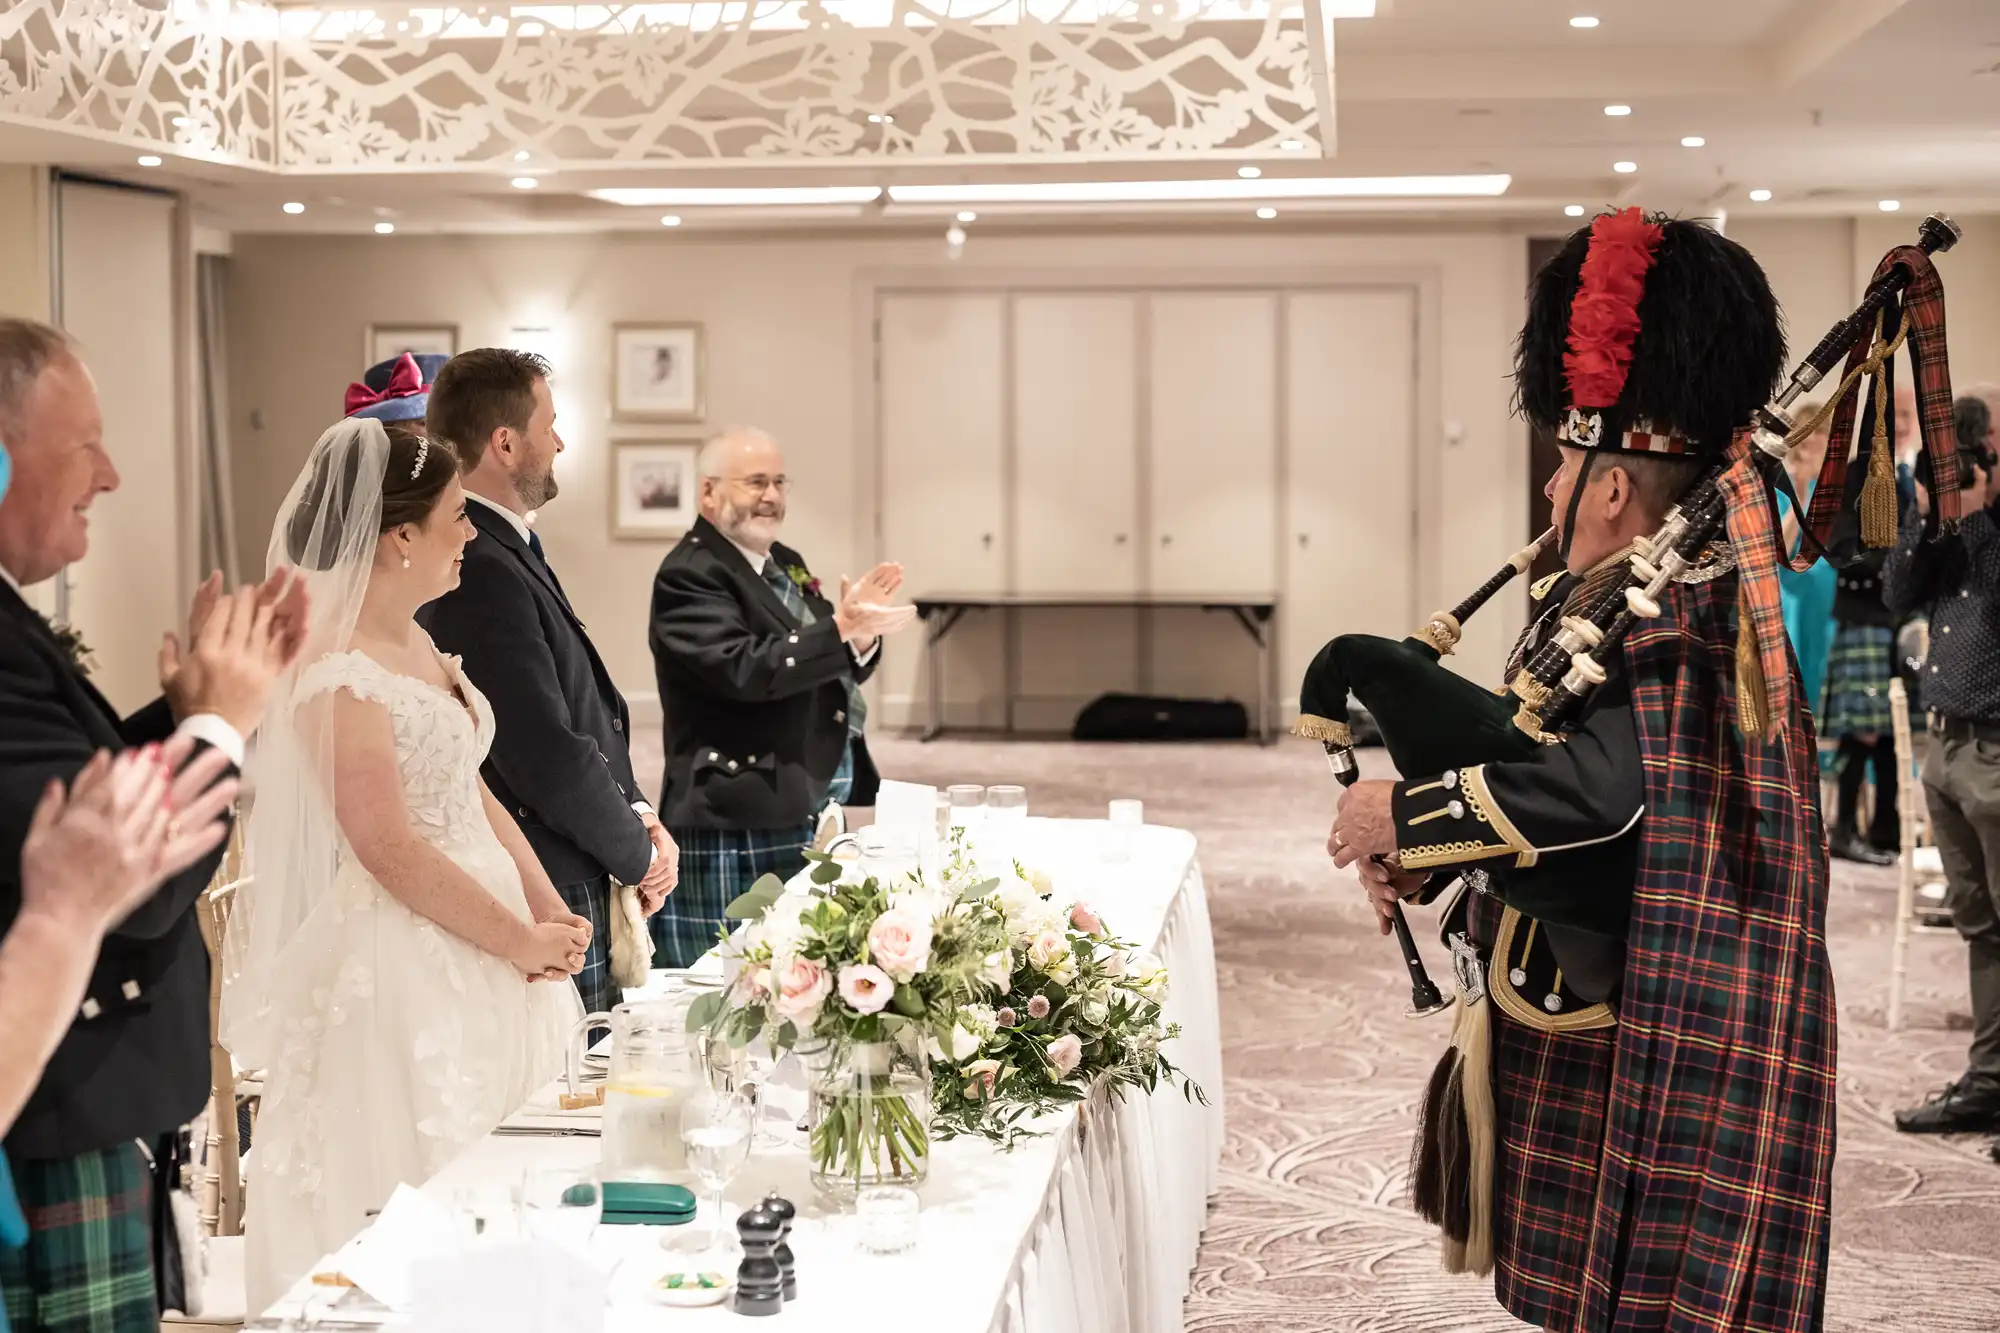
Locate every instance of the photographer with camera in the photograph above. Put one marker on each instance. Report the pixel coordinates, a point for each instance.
(1957, 580)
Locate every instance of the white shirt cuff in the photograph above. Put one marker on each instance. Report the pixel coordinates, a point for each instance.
(211, 729)
(863, 659)
(642, 808)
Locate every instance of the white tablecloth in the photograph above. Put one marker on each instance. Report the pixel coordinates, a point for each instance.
(1090, 1228)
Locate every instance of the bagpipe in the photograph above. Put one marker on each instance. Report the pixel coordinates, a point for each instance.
(1432, 719)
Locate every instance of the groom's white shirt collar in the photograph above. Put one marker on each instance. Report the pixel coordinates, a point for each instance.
(520, 524)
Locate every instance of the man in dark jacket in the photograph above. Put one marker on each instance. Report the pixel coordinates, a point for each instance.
(559, 759)
(760, 679)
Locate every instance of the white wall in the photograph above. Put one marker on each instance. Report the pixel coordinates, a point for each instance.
(788, 351)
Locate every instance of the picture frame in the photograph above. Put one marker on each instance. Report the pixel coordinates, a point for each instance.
(654, 489)
(388, 341)
(658, 372)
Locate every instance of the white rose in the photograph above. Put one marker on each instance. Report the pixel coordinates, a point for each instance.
(1045, 948)
(1149, 976)
(963, 1044)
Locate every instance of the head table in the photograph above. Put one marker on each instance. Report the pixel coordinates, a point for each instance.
(1091, 1227)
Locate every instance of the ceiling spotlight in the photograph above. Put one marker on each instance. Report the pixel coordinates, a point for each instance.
(876, 118)
(968, 216)
(149, 160)
(525, 182)
(955, 237)
(521, 156)
(181, 122)
(1693, 141)
(1292, 145)
(1583, 21)
(1760, 196)
(1624, 168)
(1618, 109)
(1573, 210)
(295, 208)
(1889, 205)
(1267, 213)
(1249, 173)
(385, 228)
(671, 220)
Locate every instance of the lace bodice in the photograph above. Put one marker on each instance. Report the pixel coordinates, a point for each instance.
(439, 745)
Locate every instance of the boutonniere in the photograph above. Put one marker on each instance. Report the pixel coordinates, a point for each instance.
(805, 581)
(70, 639)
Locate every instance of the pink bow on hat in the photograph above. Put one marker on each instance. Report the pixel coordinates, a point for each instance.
(405, 380)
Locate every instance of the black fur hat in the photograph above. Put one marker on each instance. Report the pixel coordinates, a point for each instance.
(1709, 350)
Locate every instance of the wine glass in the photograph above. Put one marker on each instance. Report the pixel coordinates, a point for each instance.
(561, 1204)
(716, 1129)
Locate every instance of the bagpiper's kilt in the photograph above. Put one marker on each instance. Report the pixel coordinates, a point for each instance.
(88, 1264)
(1858, 669)
(716, 866)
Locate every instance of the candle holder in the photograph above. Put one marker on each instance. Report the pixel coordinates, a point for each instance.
(887, 1218)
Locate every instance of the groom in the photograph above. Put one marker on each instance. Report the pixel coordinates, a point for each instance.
(559, 759)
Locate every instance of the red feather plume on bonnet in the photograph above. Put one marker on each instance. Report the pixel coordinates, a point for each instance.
(1604, 316)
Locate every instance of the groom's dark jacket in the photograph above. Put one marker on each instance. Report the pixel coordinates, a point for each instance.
(559, 763)
(134, 1063)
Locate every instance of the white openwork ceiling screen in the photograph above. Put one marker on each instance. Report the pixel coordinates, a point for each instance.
(404, 87)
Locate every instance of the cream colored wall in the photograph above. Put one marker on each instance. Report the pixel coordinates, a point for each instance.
(24, 275)
(788, 351)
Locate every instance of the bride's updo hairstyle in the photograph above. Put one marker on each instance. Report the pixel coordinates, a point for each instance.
(418, 471)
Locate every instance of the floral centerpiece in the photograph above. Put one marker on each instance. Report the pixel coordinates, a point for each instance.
(864, 980)
(1079, 1008)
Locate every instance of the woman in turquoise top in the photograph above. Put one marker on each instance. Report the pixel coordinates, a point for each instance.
(1807, 597)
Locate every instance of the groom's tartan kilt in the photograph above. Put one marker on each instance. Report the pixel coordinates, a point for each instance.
(88, 1264)
(1677, 1176)
(716, 866)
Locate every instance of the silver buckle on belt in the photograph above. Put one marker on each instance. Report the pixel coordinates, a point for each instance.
(1467, 970)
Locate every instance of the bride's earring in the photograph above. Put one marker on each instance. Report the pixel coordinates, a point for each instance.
(406, 562)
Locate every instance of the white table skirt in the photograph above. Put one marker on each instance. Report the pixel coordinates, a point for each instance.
(1090, 1228)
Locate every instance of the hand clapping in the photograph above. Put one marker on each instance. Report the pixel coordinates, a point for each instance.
(237, 644)
(865, 612)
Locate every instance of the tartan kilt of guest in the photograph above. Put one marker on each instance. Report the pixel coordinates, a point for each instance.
(1858, 670)
(88, 1263)
(716, 866)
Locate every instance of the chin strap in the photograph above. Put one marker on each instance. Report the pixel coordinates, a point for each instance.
(1576, 501)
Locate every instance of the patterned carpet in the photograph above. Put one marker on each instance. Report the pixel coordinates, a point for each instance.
(1310, 1232)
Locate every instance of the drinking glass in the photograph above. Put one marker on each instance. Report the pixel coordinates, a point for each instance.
(966, 799)
(561, 1204)
(1122, 831)
(716, 1129)
(1005, 803)
(487, 1212)
(886, 1218)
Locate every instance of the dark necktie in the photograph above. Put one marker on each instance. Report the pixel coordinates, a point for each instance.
(794, 598)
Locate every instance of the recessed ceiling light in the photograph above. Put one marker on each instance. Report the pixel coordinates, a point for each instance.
(876, 118)
(671, 220)
(521, 156)
(1618, 109)
(1572, 210)
(1760, 196)
(1267, 213)
(1693, 141)
(1197, 190)
(385, 228)
(739, 196)
(525, 182)
(181, 122)
(1583, 21)
(1292, 145)
(149, 160)
(1249, 173)
(1889, 205)
(295, 207)
(968, 216)
(1624, 168)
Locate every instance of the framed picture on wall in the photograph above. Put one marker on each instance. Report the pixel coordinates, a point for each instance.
(656, 372)
(386, 342)
(653, 488)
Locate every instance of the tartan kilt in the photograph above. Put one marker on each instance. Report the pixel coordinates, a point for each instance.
(591, 900)
(1858, 670)
(88, 1264)
(716, 866)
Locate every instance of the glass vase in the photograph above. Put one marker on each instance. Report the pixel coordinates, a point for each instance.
(869, 1118)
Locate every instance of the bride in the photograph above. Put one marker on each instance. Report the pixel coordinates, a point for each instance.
(381, 963)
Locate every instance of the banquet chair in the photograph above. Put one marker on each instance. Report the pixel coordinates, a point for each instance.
(1920, 871)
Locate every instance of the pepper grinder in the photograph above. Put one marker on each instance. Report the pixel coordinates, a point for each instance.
(785, 1212)
(760, 1284)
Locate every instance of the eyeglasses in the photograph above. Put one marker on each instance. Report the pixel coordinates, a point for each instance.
(760, 483)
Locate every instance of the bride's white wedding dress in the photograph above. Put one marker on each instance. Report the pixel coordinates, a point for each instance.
(399, 1043)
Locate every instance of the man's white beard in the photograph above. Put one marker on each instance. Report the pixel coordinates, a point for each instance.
(758, 532)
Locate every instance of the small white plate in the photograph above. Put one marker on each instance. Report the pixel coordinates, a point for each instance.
(691, 1296)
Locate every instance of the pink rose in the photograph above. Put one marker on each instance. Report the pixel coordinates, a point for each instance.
(801, 987)
(1006, 1018)
(1066, 1053)
(900, 943)
(1046, 948)
(984, 1076)
(1086, 920)
(1038, 1007)
(865, 987)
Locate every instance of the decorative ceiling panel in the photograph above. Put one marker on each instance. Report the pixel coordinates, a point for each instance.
(428, 88)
